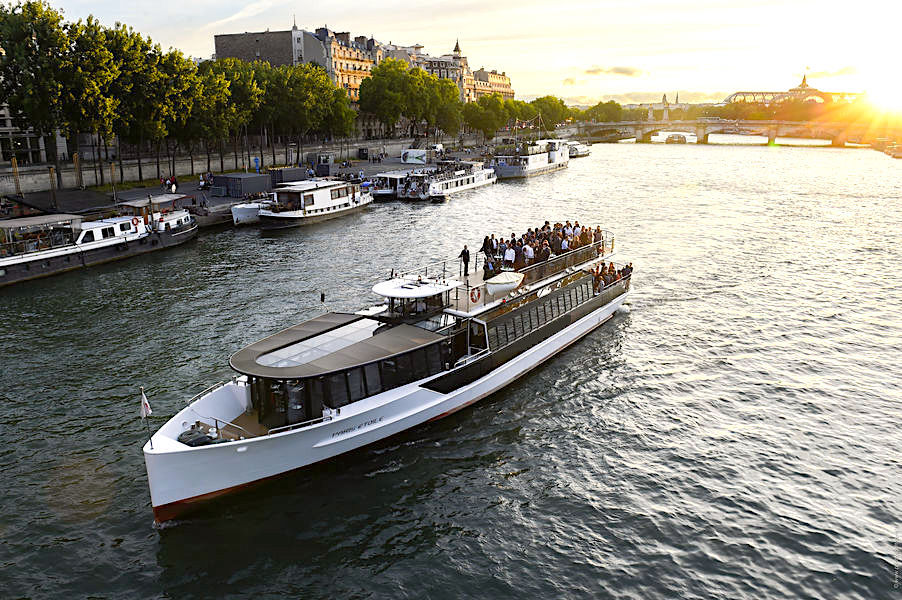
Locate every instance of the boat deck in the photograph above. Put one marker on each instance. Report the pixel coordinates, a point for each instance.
(248, 426)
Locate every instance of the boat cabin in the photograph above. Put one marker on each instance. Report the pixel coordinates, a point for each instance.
(315, 196)
(41, 232)
(321, 365)
(114, 227)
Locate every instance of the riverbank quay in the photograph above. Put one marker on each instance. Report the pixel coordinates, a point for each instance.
(37, 178)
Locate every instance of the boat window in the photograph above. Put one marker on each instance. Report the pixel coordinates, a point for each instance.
(297, 412)
(477, 335)
(87, 237)
(568, 300)
(511, 333)
(338, 390)
(308, 200)
(518, 325)
(434, 359)
(405, 374)
(125, 226)
(493, 337)
(315, 398)
(355, 384)
(108, 232)
(579, 294)
(418, 358)
(390, 373)
(373, 378)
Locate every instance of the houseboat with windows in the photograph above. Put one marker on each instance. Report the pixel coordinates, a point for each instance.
(386, 185)
(675, 138)
(436, 344)
(526, 159)
(451, 177)
(578, 150)
(38, 246)
(312, 201)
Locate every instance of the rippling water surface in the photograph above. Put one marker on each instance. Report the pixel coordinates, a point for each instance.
(734, 434)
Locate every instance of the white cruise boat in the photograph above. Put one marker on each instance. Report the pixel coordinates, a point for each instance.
(340, 381)
(33, 247)
(578, 150)
(312, 201)
(526, 159)
(386, 185)
(451, 177)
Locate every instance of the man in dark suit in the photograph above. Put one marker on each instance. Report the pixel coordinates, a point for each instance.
(465, 257)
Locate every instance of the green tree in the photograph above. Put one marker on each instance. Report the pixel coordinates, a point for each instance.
(244, 96)
(88, 103)
(552, 109)
(447, 113)
(34, 42)
(382, 93)
(308, 101)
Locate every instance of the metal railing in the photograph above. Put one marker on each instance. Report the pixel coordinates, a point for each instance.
(322, 419)
(217, 421)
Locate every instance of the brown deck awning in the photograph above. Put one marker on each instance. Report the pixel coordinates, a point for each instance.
(386, 343)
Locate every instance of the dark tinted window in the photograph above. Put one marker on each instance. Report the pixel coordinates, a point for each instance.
(418, 357)
(89, 237)
(373, 379)
(405, 369)
(518, 325)
(433, 359)
(493, 337)
(338, 390)
(355, 384)
(389, 373)
(511, 332)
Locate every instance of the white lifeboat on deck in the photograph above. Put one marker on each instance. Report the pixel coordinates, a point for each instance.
(503, 282)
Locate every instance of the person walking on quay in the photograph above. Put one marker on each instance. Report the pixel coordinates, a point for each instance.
(465, 257)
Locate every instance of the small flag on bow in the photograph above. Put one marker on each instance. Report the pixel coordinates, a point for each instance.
(145, 406)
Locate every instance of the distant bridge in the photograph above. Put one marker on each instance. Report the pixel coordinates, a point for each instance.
(642, 131)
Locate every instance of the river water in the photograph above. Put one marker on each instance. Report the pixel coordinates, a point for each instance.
(733, 433)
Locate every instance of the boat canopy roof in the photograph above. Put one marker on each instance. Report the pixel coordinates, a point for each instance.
(39, 221)
(159, 200)
(405, 287)
(326, 344)
(105, 222)
(310, 184)
(393, 174)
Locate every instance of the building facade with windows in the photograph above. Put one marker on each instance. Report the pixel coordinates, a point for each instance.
(490, 82)
(24, 144)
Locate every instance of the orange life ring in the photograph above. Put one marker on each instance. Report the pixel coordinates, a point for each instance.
(475, 294)
(135, 221)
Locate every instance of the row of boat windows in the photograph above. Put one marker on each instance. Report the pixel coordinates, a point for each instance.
(537, 314)
(288, 402)
(328, 208)
(458, 183)
(105, 233)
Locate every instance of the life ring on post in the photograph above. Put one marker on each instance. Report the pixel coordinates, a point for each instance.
(135, 221)
(475, 295)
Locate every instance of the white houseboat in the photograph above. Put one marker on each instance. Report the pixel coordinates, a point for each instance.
(451, 177)
(33, 247)
(340, 381)
(248, 213)
(312, 201)
(526, 159)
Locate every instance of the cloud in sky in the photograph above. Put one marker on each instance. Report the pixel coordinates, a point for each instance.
(569, 81)
(850, 70)
(625, 71)
(251, 10)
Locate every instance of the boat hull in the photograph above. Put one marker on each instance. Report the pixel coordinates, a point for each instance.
(275, 221)
(182, 478)
(521, 172)
(43, 266)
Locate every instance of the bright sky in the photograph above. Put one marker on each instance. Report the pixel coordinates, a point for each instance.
(627, 50)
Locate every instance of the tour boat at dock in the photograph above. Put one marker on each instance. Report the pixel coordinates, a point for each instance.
(38, 246)
(386, 185)
(578, 150)
(340, 381)
(450, 177)
(312, 201)
(526, 159)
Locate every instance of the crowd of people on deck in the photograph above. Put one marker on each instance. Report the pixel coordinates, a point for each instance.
(605, 275)
(537, 244)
